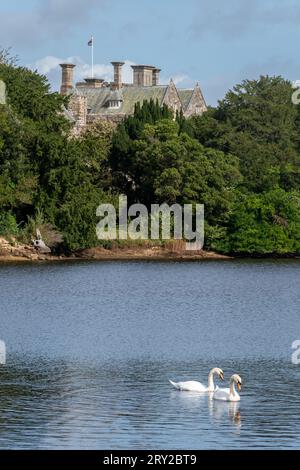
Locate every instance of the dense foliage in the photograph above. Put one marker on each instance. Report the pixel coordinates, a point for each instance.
(44, 170)
(259, 124)
(241, 159)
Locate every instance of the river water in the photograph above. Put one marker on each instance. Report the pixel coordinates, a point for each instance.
(91, 346)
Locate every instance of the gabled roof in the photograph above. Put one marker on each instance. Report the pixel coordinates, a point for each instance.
(98, 98)
(196, 100)
(185, 97)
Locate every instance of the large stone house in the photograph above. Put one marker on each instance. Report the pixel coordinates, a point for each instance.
(95, 99)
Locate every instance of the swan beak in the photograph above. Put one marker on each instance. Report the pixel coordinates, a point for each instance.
(222, 376)
(239, 386)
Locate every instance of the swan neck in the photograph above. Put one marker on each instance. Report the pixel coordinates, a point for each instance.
(211, 384)
(232, 389)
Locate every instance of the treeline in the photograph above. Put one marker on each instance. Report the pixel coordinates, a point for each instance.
(241, 159)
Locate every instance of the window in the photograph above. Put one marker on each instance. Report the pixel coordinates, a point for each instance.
(114, 104)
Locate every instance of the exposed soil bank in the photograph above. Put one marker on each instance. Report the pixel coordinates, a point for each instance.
(15, 252)
(148, 253)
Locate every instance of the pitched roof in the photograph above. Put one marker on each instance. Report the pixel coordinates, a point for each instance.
(97, 98)
(116, 95)
(185, 96)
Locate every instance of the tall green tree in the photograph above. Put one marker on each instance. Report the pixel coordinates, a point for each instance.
(165, 165)
(264, 224)
(258, 123)
(43, 170)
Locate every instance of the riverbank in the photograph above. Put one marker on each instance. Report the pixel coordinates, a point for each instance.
(148, 253)
(17, 252)
(13, 251)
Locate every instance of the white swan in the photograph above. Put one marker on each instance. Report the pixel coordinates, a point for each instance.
(229, 394)
(193, 386)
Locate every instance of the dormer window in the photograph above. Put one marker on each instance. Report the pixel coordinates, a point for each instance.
(115, 100)
(114, 104)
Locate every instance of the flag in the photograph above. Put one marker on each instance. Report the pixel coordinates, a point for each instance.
(90, 43)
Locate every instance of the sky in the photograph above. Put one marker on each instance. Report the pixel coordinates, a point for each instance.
(217, 43)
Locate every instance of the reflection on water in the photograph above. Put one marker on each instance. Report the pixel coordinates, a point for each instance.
(221, 411)
(91, 350)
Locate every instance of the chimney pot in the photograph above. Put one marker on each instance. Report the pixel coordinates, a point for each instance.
(142, 75)
(155, 76)
(67, 78)
(117, 74)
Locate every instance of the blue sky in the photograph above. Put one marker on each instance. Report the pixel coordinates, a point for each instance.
(215, 42)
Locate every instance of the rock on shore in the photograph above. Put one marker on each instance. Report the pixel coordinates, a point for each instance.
(11, 250)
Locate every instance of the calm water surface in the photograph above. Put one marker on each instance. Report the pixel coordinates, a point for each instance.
(91, 347)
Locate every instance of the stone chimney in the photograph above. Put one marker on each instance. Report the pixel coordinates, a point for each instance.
(117, 74)
(67, 78)
(155, 76)
(142, 75)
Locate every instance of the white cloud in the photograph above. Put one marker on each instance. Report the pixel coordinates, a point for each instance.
(45, 65)
(180, 78)
(49, 66)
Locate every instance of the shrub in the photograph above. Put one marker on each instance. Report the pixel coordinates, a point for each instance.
(8, 224)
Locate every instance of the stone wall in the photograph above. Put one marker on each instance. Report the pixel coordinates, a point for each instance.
(197, 105)
(78, 108)
(171, 98)
(115, 118)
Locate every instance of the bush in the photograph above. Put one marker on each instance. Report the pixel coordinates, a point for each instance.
(8, 224)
